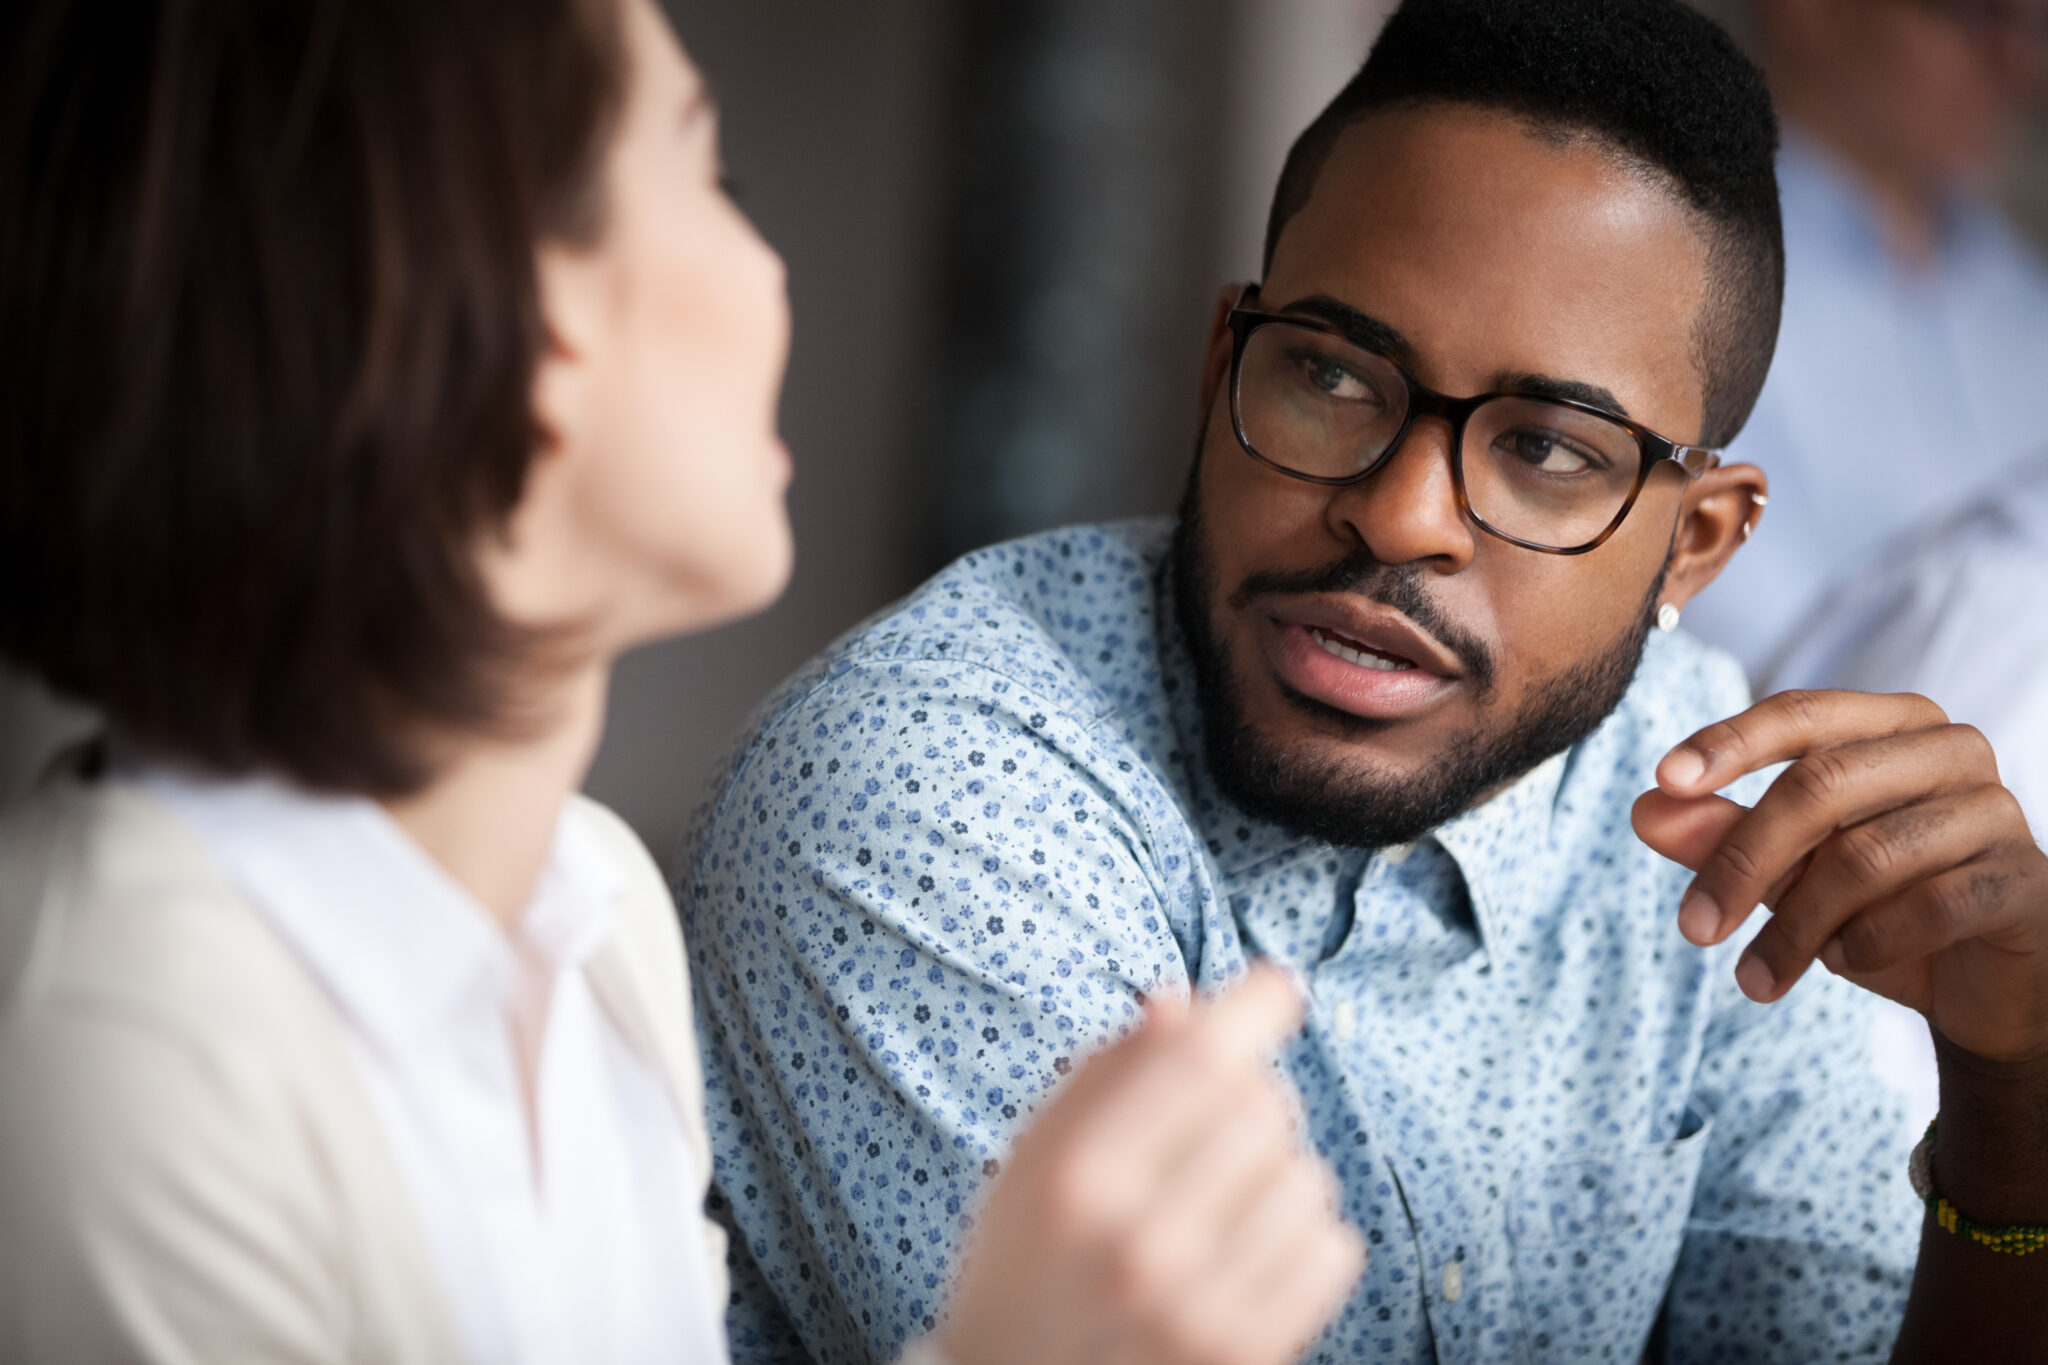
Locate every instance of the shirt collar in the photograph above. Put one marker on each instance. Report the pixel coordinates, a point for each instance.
(392, 937)
(1503, 846)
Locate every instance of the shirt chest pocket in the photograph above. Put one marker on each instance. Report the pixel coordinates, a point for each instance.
(1595, 1240)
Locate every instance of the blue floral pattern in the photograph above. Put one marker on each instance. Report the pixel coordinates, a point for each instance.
(949, 857)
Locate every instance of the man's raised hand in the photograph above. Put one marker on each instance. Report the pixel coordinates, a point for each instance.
(1888, 851)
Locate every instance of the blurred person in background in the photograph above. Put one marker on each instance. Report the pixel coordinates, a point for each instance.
(1954, 612)
(1915, 337)
(376, 373)
(1376, 704)
(1904, 397)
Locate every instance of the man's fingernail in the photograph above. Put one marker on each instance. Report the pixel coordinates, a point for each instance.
(1699, 919)
(1754, 976)
(1832, 957)
(1682, 767)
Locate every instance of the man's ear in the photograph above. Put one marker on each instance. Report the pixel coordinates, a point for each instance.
(1721, 510)
(572, 300)
(1216, 360)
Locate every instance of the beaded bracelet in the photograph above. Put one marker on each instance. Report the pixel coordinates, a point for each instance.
(2013, 1240)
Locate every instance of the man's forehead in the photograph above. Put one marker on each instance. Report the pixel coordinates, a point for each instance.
(1494, 248)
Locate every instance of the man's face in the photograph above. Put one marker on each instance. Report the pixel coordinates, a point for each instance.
(1498, 257)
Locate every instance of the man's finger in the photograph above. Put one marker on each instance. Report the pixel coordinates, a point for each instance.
(1866, 864)
(1786, 726)
(1965, 902)
(1688, 831)
(1304, 1293)
(1249, 1021)
(1287, 1228)
(1169, 1083)
(1206, 1189)
(1825, 791)
(1685, 829)
(1896, 850)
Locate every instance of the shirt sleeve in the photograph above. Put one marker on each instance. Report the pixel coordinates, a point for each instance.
(1803, 1230)
(922, 896)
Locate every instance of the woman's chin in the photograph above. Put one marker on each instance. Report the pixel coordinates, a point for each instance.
(778, 564)
(745, 581)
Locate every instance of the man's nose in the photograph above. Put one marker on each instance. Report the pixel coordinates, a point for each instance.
(1407, 511)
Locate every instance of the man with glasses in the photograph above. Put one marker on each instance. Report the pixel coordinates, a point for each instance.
(1381, 703)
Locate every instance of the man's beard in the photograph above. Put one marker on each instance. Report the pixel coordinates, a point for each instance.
(1315, 789)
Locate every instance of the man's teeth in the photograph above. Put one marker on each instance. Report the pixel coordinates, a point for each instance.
(1364, 658)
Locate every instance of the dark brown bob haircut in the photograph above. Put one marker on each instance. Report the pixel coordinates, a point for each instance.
(271, 324)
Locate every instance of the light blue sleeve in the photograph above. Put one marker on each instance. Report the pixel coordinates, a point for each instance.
(920, 898)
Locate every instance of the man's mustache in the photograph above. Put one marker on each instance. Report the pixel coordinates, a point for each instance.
(1392, 585)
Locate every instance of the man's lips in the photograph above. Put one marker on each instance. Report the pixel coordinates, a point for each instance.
(1359, 657)
(1371, 626)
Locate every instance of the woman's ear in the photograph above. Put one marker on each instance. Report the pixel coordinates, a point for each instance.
(1721, 511)
(572, 301)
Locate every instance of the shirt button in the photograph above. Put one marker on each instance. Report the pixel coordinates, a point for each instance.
(1397, 853)
(1345, 1019)
(1454, 1281)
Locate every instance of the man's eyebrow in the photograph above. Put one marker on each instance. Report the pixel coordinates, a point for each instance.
(1374, 335)
(1571, 390)
(1362, 328)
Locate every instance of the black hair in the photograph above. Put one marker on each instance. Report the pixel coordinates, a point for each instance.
(1657, 82)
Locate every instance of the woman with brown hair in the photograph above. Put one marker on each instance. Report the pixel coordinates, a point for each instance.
(377, 372)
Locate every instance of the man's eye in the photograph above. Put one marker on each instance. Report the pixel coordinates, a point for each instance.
(1548, 452)
(1335, 379)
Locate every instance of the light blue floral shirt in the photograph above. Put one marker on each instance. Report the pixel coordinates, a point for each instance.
(950, 854)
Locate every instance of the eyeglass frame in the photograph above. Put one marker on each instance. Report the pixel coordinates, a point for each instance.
(1424, 401)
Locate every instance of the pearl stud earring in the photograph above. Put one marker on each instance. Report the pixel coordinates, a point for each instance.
(1667, 617)
(1761, 501)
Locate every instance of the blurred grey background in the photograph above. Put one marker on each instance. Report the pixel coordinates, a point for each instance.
(1006, 223)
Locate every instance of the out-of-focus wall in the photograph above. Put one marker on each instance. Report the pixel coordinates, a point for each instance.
(844, 128)
(1286, 60)
(1082, 177)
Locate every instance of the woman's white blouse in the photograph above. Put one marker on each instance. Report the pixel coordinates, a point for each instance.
(544, 1156)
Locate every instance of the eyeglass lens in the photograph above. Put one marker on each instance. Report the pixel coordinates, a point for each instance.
(1535, 470)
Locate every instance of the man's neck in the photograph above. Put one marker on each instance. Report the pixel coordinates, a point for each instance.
(489, 815)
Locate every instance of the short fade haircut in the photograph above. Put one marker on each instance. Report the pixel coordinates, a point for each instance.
(272, 321)
(1655, 81)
